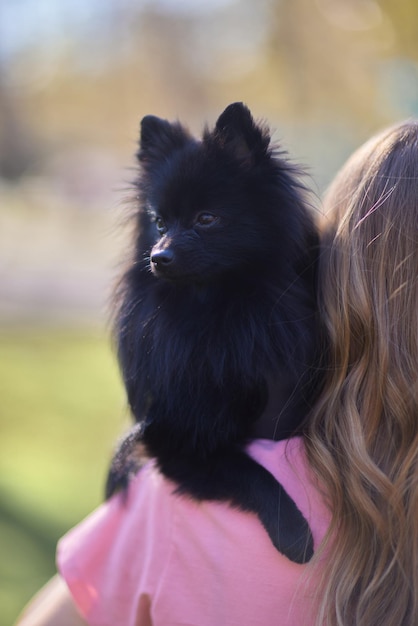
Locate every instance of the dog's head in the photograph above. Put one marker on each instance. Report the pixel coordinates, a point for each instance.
(219, 204)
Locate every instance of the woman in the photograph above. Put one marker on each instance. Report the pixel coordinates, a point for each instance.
(363, 439)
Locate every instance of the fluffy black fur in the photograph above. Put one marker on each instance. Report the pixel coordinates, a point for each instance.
(217, 304)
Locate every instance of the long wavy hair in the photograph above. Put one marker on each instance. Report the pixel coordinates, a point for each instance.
(363, 437)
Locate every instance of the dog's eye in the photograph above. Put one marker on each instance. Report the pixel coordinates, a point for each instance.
(160, 224)
(206, 219)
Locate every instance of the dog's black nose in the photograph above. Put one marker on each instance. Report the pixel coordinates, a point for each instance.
(162, 257)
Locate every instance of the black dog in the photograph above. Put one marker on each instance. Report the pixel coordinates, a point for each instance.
(217, 305)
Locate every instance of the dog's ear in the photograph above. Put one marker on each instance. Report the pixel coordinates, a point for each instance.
(159, 138)
(236, 132)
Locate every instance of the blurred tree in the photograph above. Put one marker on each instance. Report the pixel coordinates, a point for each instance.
(17, 152)
(170, 44)
(325, 55)
(403, 17)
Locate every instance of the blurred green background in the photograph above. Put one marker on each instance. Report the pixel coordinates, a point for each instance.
(76, 76)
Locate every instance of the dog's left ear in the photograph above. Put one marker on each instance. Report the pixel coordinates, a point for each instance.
(237, 132)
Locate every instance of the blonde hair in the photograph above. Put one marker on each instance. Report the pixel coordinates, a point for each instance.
(363, 437)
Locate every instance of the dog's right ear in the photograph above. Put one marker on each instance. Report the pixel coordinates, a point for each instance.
(159, 138)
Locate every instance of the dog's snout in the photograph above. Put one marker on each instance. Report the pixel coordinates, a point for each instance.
(162, 257)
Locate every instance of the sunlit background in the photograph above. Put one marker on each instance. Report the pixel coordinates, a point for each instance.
(76, 76)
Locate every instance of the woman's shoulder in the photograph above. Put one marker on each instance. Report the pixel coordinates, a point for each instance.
(287, 461)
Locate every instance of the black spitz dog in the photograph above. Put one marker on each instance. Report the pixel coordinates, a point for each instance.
(217, 305)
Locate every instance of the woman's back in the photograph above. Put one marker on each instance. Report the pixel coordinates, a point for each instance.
(165, 559)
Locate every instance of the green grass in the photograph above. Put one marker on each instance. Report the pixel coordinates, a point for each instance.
(61, 408)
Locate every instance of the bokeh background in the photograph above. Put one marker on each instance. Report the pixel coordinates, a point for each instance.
(76, 76)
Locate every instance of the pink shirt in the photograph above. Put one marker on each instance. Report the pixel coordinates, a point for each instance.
(163, 559)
